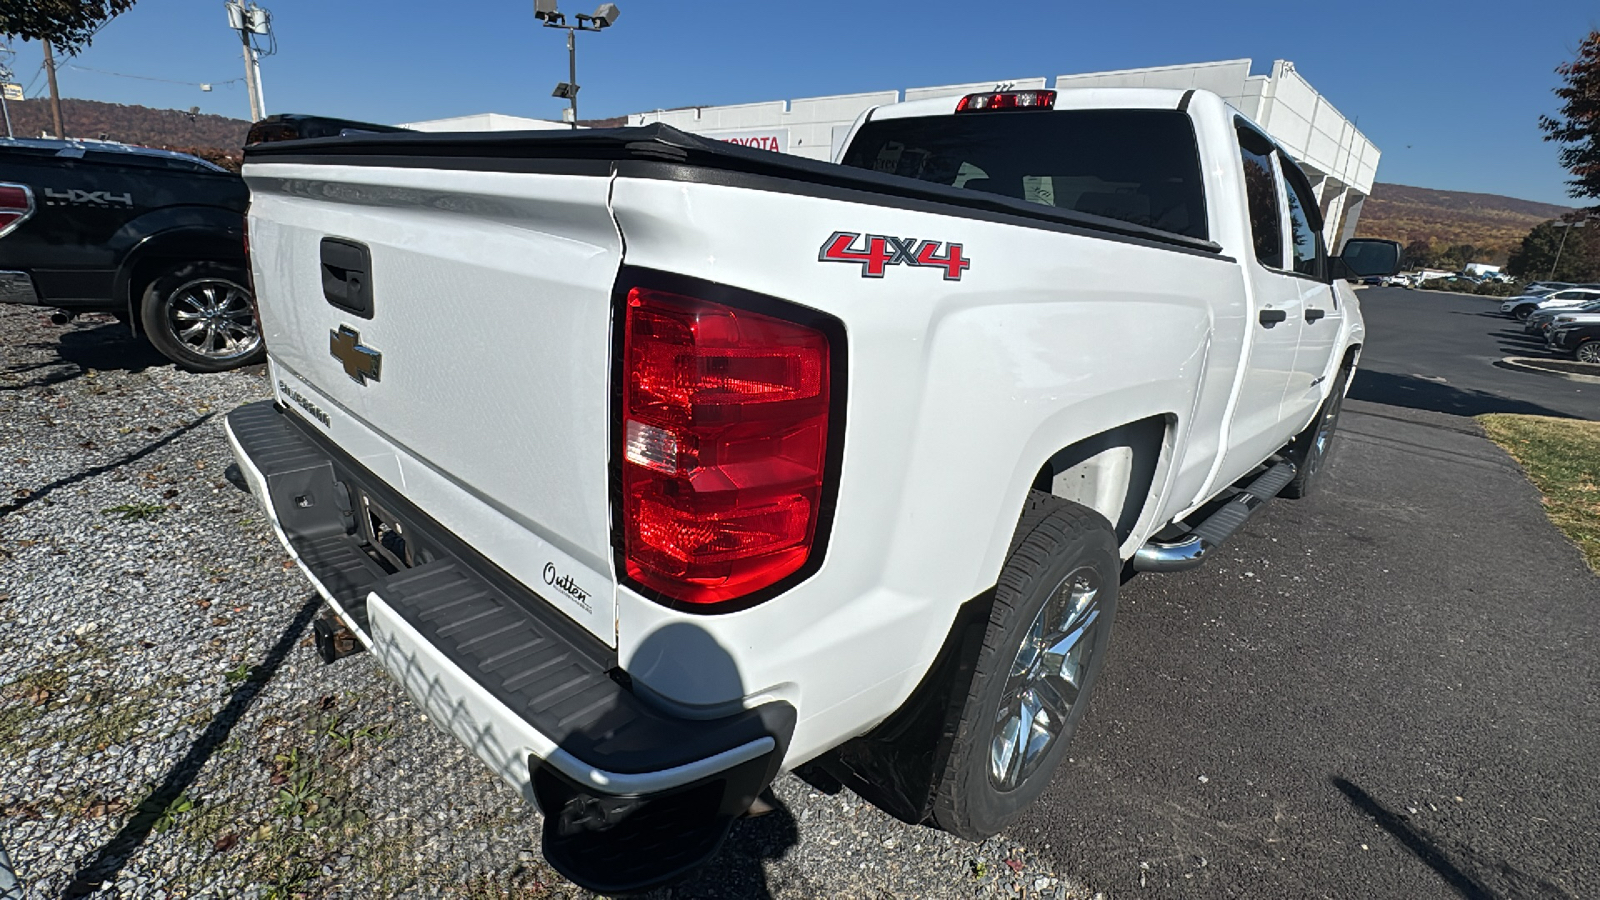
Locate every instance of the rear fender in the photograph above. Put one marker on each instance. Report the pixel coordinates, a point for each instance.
(170, 236)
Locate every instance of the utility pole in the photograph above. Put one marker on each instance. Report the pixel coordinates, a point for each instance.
(604, 17)
(247, 21)
(5, 86)
(1566, 230)
(55, 93)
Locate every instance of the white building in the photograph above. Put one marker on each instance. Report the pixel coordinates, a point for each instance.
(1337, 157)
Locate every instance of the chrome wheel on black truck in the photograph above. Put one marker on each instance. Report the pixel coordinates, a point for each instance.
(1045, 646)
(200, 316)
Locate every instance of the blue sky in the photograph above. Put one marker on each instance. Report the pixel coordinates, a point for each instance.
(1450, 92)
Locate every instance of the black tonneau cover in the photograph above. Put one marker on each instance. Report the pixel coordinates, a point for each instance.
(661, 151)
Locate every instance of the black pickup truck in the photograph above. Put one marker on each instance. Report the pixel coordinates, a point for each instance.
(154, 237)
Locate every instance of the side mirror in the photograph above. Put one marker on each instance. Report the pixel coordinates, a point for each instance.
(1367, 258)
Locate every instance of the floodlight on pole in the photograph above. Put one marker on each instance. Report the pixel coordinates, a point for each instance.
(604, 16)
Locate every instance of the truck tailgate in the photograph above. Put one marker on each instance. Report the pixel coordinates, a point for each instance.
(490, 313)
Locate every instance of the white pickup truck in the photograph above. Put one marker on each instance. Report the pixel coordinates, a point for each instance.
(653, 466)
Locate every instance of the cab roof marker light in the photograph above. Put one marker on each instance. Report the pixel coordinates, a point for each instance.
(995, 101)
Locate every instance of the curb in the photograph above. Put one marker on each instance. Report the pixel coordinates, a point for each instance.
(1524, 364)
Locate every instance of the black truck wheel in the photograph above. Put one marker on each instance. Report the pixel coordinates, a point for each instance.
(1043, 650)
(199, 315)
(1309, 450)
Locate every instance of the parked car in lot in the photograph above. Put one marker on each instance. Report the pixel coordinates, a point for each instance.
(1545, 287)
(653, 465)
(1539, 320)
(1522, 307)
(1579, 338)
(151, 236)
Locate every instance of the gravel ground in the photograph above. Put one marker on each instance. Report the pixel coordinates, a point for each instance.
(166, 729)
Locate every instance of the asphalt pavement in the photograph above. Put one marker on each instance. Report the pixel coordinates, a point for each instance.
(1437, 351)
(1388, 689)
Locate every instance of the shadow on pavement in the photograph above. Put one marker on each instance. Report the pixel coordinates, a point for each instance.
(106, 347)
(1471, 875)
(110, 859)
(1419, 393)
(737, 870)
(142, 452)
(109, 346)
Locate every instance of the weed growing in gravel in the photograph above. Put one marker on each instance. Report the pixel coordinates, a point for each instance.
(101, 717)
(27, 701)
(131, 512)
(169, 816)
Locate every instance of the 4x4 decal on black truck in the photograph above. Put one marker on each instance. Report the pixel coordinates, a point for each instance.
(880, 251)
(53, 197)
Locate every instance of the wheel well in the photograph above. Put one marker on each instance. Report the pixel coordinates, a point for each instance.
(150, 266)
(1111, 473)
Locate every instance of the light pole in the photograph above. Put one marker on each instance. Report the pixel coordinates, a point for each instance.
(604, 17)
(1568, 226)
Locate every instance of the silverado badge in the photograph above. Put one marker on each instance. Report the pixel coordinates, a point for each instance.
(360, 362)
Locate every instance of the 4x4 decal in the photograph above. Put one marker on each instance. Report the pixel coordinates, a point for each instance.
(878, 251)
(76, 197)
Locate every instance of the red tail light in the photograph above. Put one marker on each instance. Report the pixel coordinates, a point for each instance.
(725, 416)
(998, 100)
(16, 205)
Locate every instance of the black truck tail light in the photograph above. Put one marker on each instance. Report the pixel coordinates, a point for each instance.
(995, 101)
(16, 205)
(725, 432)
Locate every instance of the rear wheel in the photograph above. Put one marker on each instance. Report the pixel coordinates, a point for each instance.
(1588, 351)
(200, 316)
(1044, 648)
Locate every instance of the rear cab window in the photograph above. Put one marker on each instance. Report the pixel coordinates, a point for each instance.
(1136, 165)
(1261, 194)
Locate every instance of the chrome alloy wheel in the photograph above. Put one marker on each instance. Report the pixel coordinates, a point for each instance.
(1589, 352)
(213, 317)
(1046, 679)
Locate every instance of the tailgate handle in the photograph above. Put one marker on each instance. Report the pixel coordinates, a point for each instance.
(1271, 317)
(347, 276)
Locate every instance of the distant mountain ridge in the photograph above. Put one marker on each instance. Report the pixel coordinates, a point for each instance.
(141, 125)
(1489, 221)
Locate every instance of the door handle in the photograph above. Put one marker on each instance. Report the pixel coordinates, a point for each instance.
(1271, 317)
(1313, 314)
(346, 282)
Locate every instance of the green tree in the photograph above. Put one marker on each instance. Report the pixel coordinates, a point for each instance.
(1577, 128)
(68, 25)
(1580, 255)
(1417, 255)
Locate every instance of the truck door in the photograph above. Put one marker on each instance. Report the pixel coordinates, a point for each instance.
(1256, 429)
(1320, 310)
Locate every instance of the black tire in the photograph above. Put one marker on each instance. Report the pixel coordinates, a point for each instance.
(215, 299)
(1055, 544)
(1522, 312)
(1310, 448)
(1588, 351)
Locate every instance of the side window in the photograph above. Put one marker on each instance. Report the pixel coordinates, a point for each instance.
(1305, 240)
(1261, 189)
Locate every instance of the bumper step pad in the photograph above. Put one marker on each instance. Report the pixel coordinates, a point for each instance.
(532, 660)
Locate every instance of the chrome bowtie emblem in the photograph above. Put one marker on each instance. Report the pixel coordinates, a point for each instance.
(360, 362)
